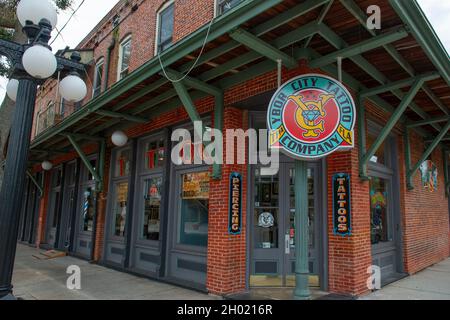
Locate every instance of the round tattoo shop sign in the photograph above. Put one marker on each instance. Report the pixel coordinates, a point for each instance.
(311, 116)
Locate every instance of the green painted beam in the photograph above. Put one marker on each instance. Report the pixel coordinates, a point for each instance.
(102, 163)
(407, 143)
(218, 124)
(83, 157)
(80, 136)
(297, 35)
(37, 185)
(361, 47)
(120, 115)
(322, 16)
(282, 18)
(356, 11)
(194, 83)
(188, 104)
(399, 84)
(392, 121)
(104, 126)
(256, 44)
(413, 16)
(155, 101)
(427, 153)
(222, 25)
(362, 143)
(370, 69)
(427, 122)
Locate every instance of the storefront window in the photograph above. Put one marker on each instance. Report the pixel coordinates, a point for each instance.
(154, 155)
(266, 211)
(379, 156)
(152, 208)
(120, 210)
(56, 210)
(194, 209)
(88, 209)
(123, 163)
(379, 210)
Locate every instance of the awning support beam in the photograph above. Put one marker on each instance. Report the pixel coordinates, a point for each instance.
(362, 136)
(256, 44)
(38, 186)
(120, 115)
(364, 46)
(426, 154)
(399, 84)
(80, 136)
(427, 122)
(218, 125)
(390, 125)
(86, 162)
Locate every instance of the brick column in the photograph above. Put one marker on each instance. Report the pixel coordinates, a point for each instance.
(349, 257)
(102, 198)
(227, 254)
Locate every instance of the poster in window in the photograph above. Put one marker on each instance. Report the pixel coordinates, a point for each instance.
(196, 185)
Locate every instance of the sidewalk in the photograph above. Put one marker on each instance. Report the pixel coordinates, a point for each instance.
(36, 279)
(432, 283)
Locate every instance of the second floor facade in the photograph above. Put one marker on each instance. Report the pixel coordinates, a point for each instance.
(132, 33)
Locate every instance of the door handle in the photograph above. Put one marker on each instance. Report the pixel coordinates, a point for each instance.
(287, 244)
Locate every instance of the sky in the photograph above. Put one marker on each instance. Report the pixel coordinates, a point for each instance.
(92, 11)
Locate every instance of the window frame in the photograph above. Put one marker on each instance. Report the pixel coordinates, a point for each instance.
(158, 25)
(120, 71)
(218, 11)
(96, 85)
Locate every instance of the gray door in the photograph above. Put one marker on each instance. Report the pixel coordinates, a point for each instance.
(188, 226)
(273, 227)
(85, 213)
(67, 207)
(54, 207)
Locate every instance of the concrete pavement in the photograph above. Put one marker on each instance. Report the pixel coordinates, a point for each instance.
(432, 283)
(36, 279)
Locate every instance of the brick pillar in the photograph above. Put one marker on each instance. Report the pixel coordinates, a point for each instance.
(43, 205)
(349, 257)
(101, 210)
(226, 272)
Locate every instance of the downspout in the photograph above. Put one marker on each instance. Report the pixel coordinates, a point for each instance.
(107, 62)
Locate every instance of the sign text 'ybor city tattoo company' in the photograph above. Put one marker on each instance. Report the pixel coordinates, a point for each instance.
(311, 116)
(235, 207)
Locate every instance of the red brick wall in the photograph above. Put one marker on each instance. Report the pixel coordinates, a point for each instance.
(426, 215)
(227, 254)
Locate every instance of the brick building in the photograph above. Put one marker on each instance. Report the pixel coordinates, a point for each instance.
(131, 208)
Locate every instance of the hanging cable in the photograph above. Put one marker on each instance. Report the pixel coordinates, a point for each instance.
(195, 63)
(67, 22)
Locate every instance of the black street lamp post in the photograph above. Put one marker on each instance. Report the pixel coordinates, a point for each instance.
(12, 191)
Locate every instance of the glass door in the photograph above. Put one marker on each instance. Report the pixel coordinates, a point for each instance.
(273, 228)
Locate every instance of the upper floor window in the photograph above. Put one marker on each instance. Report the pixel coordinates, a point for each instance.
(98, 78)
(165, 27)
(124, 58)
(226, 5)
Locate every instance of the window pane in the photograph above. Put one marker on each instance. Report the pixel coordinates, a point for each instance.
(193, 215)
(379, 156)
(379, 210)
(126, 54)
(123, 163)
(266, 211)
(152, 208)
(166, 28)
(88, 209)
(120, 210)
(155, 154)
(98, 79)
(56, 212)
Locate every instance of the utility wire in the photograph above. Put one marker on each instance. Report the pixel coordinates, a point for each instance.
(67, 22)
